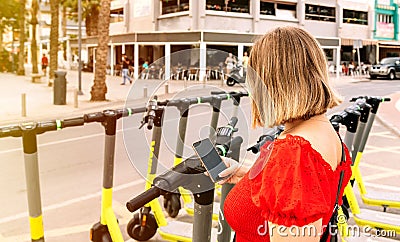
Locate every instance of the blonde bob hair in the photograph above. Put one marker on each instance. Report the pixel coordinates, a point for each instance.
(287, 78)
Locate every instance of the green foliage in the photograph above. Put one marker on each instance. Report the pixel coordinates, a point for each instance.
(87, 8)
(8, 13)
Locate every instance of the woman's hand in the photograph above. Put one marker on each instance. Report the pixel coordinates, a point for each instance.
(234, 173)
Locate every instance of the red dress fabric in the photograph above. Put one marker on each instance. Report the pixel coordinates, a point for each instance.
(296, 187)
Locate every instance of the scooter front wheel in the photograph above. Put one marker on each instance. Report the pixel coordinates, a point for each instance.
(142, 231)
(172, 204)
(100, 233)
(230, 82)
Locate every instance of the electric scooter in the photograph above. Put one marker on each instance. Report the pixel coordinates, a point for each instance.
(107, 229)
(380, 220)
(236, 76)
(174, 230)
(373, 197)
(172, 203)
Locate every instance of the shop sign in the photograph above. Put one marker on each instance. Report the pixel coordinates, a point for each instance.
(385, 30)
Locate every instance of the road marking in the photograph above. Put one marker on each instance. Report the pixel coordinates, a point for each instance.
(380, 175)
(54, 233)
(384, 134)
(384, 187)
(398, 105)
(375, 167)
(373, 149)
(72, 201)
(118, 208)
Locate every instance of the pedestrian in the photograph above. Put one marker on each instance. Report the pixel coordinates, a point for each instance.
(125, 70)
(229, 62)
(145, 70)
(245, 62)
(351, 68)
(344, 68)
(45, 63)
(294, 182)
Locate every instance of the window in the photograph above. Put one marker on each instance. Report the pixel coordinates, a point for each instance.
(384, 18)
(238, 6)
(174, 6)
(117, 15)
(283, 10)
(355, 17)
(286, 11)
(267, 8)
(320, 13)
(384, 26)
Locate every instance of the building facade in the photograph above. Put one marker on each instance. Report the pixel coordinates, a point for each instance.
(386, 28)
(147, 30)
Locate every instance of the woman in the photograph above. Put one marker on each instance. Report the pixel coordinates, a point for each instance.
(297, 185)
(229, 62)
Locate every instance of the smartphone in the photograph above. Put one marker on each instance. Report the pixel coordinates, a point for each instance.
(209, 158)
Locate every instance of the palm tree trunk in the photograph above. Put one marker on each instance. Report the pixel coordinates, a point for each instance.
(21, 53)
(34, 23)
(64, 29)
(91, 20)
(99, 88)
(54, 9)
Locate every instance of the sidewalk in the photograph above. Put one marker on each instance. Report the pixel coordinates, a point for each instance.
(39, 96)
(389, 113)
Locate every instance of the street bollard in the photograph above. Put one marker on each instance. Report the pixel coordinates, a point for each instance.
(76, 92)
(204, 81)
(29, 142)
(23, 104)
(60, 88)
(144, 92)
(185, 82)
(166, 88)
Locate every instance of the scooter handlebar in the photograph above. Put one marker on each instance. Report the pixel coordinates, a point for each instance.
(233, 121)
(382, 99)
(269, 135)
(144, 198)
(10, 131)
(71, 122)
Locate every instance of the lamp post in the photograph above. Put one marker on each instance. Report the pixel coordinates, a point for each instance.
(12, 20)
(80, 47)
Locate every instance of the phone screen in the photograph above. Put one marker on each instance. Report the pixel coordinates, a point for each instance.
(209, 158)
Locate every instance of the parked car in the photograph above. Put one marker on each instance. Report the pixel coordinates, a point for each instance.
(388, 67)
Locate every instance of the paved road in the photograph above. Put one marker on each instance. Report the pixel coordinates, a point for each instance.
(71, 167)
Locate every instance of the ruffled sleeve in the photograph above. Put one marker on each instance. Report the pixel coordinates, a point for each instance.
(294, 187)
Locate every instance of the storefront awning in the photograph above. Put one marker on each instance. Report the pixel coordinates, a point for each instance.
(191, 37)
(389, 44)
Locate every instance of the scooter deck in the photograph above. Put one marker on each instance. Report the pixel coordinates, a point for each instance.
(366, 238)
(378, 198)
(377, 219)
(189, 207)
(181, 231)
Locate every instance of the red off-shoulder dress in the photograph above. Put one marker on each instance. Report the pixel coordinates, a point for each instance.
(295, 187)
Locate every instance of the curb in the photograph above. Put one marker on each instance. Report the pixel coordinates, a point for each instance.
(388, 125)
